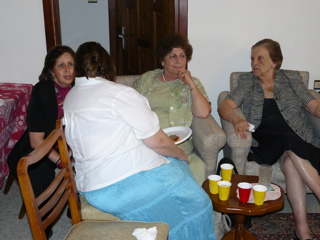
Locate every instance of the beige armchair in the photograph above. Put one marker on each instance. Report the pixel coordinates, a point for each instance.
(237, 149)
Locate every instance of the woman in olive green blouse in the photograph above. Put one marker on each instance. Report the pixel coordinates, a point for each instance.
(173, 94)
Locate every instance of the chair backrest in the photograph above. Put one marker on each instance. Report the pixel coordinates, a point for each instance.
(127, 79)
(235, 75)
(44, 209)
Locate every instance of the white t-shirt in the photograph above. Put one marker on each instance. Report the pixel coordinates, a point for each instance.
(104, 125)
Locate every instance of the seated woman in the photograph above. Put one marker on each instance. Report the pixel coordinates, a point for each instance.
(276, 102)
(173, 94)
(46, 105)
(124, 163)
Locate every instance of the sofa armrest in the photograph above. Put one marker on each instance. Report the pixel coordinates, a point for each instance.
(315, 122)
(208, 138)
(237, 148)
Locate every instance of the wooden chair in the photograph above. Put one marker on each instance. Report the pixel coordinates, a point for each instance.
(46, 208)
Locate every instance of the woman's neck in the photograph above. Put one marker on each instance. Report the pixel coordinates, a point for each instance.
(169, 77)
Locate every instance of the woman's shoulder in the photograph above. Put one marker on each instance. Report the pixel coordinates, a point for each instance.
(291, 74)
(152, 73)
(43, 86)
(246, 75)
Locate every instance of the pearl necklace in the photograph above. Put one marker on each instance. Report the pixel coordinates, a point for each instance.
(166, 79)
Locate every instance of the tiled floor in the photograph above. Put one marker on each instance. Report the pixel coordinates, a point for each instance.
(11, 228)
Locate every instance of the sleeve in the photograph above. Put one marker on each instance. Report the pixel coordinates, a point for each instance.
(237, 94)
(134, 109)
(301, 90)
(201, 88)
(142, 84)
(35, 115)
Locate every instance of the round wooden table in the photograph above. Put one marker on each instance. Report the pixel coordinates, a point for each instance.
(233, 205)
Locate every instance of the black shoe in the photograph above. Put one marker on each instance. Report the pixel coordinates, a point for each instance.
(296, 237)
(68, 213)
(49, 231)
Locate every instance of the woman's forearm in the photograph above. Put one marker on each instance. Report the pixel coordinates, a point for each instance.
(36, 138)
(201, 106)
(163, 145)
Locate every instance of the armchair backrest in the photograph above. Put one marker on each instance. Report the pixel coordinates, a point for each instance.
(127, 80)
(235, 75)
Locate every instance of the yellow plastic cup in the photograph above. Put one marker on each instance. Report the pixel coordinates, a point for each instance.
(213, 180)
(226, 171)
(224, 190)
(259, 193)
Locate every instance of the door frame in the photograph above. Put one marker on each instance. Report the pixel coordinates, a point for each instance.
(53, 29)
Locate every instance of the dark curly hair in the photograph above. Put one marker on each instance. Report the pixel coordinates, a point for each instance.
(171, 41)
(53, 54)
(273, 48)
(92, 60)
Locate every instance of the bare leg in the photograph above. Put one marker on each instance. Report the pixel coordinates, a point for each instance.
(296, 193)
(307, 172)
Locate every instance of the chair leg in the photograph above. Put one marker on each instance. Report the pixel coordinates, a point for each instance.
(9, 182)
(22, 211)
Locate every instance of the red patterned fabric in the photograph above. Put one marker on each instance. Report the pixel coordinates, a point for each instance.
(14, 100)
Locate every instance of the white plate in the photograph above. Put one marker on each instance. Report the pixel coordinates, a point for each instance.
(2, 102)
(183, 132)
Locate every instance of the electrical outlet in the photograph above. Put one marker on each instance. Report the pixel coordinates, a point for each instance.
(316, 84)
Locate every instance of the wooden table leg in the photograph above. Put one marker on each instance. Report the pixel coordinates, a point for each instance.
(239, 232)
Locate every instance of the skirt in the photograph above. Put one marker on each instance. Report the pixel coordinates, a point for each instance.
(275, 137)
(167, 194)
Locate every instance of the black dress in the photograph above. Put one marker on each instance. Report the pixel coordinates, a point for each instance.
(275, 137)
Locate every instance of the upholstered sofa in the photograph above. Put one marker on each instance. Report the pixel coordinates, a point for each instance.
(237, 149)
(208, 139)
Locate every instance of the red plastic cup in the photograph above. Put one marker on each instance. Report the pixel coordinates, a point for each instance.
(244, 191)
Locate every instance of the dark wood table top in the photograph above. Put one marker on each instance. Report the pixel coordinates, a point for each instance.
(233, 204)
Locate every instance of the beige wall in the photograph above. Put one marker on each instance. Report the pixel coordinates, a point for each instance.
(22, 40)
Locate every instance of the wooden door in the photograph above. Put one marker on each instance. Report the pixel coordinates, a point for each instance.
(139, 25)
(145, 22)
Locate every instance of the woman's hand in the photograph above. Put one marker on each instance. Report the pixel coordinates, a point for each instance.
(226, 110)
(241, 126)
(186, 77)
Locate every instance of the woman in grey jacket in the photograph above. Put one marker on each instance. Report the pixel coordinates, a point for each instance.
(276, 102)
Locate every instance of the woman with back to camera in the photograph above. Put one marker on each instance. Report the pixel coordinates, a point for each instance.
(276, 102)
(119, 151)
(45, 107)
(173, 93)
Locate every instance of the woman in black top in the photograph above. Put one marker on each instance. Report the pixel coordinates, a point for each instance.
(46, 105)
(276, 102)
